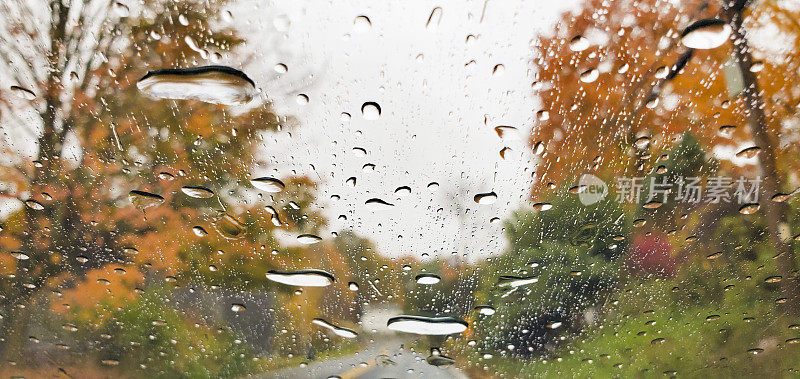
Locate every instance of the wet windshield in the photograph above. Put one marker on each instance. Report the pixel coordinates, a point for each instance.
(281, 189)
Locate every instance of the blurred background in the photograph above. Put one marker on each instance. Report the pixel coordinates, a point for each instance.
(331, 167)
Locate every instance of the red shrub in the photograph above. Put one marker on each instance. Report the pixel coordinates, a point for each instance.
(650, 255)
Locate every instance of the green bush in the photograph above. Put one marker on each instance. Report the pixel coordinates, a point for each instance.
(150, 337)
(572, 250)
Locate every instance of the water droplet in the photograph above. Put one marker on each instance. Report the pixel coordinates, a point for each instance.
(360, 152)
(276, 220)
(590, 75)
(434, 19)
(507, 132)
(713, 256)
(485, 310)
(485, 198)
(515, 281)
(308, 239)
(371, 111)
(361, 24)
(440, 360)
(749, 152)
(302, 99)
(35, 205)
(781, 197)
(433, 186)
(773, 279)
(20, 255)
(433, 326)
(121, 10)
(301, 278)
(339, 331)
(166, 176)
(543, 115)
(211, 84)
(748, 209)
(268, 184)
(229, 227)
(353, 286)
(498, 70)
(236, 307)
(197, 192)
(577, 189)
(538, 148)
(706, 34)
(281, 68)
(23, 92)
(541, 207)
(653, 204)
(428, 279)
(757, 66)
(199, 231)
(642, 142)
(142, 200)
(378, 204)
(578, 43)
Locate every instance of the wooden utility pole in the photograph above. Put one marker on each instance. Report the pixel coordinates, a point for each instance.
(775, 213)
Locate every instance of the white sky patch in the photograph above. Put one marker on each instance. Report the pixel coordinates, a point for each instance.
(728, 152)
(435, 87)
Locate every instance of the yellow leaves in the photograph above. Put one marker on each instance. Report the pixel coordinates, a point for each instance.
(602, 118)
(103, 285)
(200, 122)
(8, 264)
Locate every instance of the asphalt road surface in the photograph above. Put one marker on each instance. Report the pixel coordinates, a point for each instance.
(380, 360)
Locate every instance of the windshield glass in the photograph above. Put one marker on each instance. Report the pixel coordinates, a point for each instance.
(281, 189)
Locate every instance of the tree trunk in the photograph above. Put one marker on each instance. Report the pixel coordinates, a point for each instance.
(775, 214)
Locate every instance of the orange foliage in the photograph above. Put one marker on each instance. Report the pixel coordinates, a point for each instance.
(592, 126)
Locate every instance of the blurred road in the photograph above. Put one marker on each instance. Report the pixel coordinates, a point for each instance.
(380, 360)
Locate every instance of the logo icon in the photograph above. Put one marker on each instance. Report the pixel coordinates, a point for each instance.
(593, 189)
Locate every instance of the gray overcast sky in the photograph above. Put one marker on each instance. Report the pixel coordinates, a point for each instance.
(438, 111)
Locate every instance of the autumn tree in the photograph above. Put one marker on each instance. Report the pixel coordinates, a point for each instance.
(75, 235)
(619, 90)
